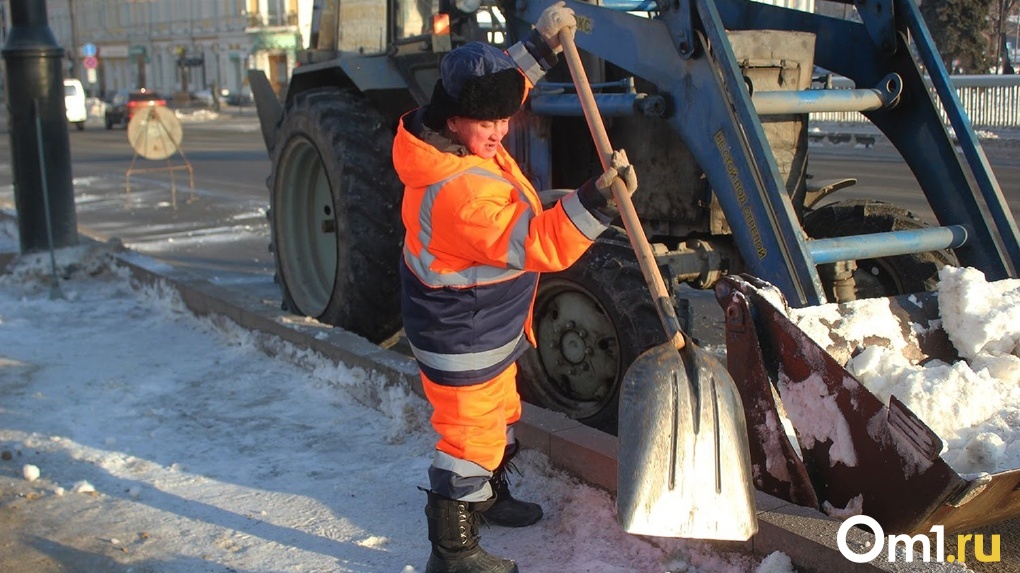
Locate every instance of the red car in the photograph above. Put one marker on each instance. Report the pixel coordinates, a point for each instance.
(126, 103)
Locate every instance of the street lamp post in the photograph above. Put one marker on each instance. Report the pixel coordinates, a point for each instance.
(37, 124)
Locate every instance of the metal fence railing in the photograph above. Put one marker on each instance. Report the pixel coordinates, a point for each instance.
(991, 101)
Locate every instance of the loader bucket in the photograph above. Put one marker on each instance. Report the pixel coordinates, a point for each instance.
(857, 454)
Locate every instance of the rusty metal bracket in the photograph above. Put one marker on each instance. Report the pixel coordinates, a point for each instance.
(778, 470)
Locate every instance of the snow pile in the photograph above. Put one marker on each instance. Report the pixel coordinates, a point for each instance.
(195, 115)
(981, 318)
(841, 329)
(973, 404)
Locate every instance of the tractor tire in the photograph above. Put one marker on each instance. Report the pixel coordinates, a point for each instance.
(886, 276)
(335, 214)
(591, 322)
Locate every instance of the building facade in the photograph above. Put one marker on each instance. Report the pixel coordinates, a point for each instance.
(178, 47)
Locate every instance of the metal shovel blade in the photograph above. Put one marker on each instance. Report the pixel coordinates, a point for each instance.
(684, 464)
(684, 467)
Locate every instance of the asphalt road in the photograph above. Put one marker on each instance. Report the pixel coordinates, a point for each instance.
(217, 229)
(882, 174)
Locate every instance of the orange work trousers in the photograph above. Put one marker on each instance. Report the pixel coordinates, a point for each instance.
(472, 420)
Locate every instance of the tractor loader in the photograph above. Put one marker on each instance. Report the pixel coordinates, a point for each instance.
(710, 98)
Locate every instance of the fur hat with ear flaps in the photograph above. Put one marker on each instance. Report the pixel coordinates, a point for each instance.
(477, 81)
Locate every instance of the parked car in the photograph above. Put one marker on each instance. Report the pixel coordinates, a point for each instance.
(74, 103)
(236, 98)
(126, 103)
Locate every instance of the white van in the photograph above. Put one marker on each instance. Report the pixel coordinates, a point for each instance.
(74, 103)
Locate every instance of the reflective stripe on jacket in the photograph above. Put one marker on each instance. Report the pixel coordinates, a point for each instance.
(476, 239)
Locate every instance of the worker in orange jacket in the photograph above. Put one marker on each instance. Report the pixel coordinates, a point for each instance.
(477, 239)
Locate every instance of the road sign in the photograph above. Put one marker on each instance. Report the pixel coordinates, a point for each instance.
(155, 132)
(90, 62)
(88, 50)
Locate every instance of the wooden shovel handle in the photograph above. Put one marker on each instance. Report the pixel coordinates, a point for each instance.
(631, 222)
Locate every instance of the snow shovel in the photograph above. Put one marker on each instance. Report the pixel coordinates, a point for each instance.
(684, 467)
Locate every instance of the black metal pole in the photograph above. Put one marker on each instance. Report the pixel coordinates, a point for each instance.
(34, 81)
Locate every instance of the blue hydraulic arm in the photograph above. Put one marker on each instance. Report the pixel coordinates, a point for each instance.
(684, 50)
(713, 113)
(913, 126)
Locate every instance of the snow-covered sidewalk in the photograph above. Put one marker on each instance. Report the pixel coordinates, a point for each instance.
(167, 443)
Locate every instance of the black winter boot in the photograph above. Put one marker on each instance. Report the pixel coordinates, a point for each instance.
(453, 531)
(508, 511)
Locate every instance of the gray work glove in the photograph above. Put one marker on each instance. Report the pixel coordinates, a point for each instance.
(620, 167)
(553, 19)
(597, 194)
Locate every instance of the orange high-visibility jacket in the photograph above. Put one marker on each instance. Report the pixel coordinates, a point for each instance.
(477, 237)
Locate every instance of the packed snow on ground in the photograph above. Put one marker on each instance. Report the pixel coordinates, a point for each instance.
(137, 437)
